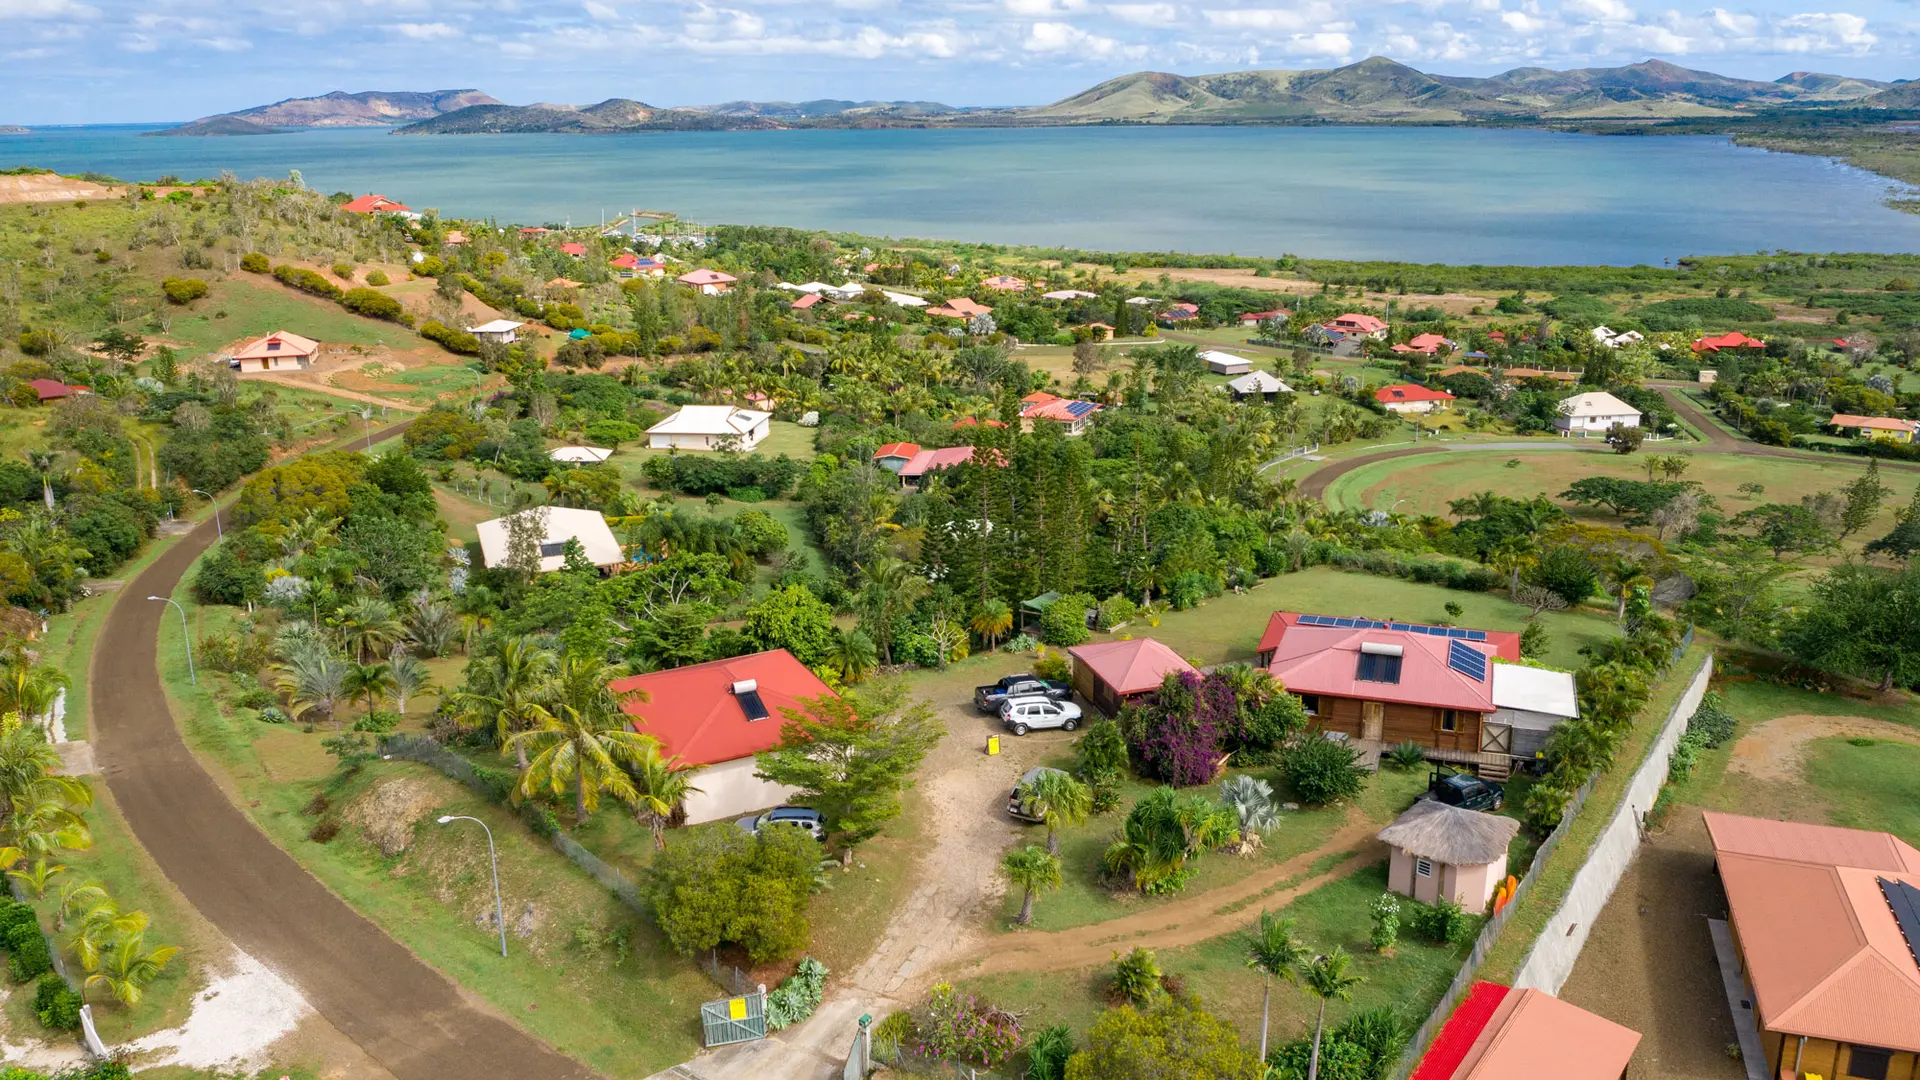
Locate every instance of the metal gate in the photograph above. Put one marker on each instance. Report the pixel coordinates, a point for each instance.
(734, 1020)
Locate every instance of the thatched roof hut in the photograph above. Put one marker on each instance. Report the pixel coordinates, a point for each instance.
(1447, 834)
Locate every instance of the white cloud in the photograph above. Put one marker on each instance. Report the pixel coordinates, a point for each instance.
(1059, 37)
(1261, 19)
(433, 31)
(1144, 14)
(1035, 9)
(1608, 10)
(226, 44)
(46, 9)
(601, 12)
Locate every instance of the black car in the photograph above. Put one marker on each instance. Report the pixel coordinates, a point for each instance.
(1465, 791)
(988, 698)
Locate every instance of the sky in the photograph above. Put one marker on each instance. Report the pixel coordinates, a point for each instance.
(121, 61)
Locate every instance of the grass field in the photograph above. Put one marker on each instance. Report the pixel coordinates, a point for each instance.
(1229, 626)
(240, 308)
(1335, 914)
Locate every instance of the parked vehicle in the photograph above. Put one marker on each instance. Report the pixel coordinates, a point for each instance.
(1466, 791)
(798, 817)
(989, 698)
(1017, 799)
(1021, 713)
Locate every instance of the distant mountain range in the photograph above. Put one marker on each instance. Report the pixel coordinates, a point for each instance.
(371, 108)
(1375, 90)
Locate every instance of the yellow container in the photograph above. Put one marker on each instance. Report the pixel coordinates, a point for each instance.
(993, 746)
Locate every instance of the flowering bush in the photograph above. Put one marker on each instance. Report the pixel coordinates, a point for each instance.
(956, 1027)
(1176, 736)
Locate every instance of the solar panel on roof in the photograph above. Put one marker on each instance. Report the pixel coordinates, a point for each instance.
(1467, 660)
(751, 704)
(1476, 635)
(1904, 899)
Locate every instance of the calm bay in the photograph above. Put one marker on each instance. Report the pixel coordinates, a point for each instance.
(1457, 195)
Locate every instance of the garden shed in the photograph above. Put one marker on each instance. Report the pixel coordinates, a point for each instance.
(1444, 851)
(1110, 673)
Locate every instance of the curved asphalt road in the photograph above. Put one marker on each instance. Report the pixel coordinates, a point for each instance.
(406, 1016)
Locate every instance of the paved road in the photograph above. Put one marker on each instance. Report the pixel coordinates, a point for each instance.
(405, 1015)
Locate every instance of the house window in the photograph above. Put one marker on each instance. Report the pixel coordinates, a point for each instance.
(1868, 1062)
(1311, 703)
(1449, 720)
(1375, 667)
(1423, 867)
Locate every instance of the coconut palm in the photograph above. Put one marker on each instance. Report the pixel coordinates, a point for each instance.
(852, 655)
(1327, 979)
(372, 680)
(1273, 951)
(891, 589)
(315, 683)
(1059, 801)
(98, 925)
(30, 689)
(582, 739)
(410, 677)
(503, 691)
(1033, 870)
(992, 620)
(37, 875)
(77, 896)
(127, 966)
(369, 626)
(662, 785)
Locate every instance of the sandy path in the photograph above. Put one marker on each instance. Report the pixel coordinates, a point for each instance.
(328, 388)
(1187, 921)
(1777, 749)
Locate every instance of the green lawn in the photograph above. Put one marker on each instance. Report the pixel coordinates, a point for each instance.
(241, 308)
(1086, 898)
(1411, 980)
(1229, 626)
(1869, 784)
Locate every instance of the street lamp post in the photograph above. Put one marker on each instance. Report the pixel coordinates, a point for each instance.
(217, 527)
(499, 909)
(185, 637)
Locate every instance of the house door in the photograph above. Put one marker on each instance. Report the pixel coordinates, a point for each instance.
(1373, 716)
(1496, 738)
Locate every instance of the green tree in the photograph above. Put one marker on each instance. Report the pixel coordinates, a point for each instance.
(583, 739)
(370, 627)
(891, 590)
(1032, 869)
(372, 680)
(127, 966)
(1863, 620)
(850, 757)
(853, 657)
(1059, 801)
(794, 619)
(992, 620)
(1273, 951)
(661, 785)
(1784, 527)
(1326, 978)
(1174, 1042)
(724, 886)
(1863, 499)
(504, 690)
(1904, 540)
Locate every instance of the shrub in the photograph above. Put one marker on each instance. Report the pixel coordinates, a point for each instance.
(797, 996)
(959, 1027)
(1442, 923)
(1103, 749)
(450, 339)
(1385, 911)
(255, 263)
(1339, 1060)
(1321, 770)
(1405, 756)
(1065, 620)
(1378, 1031)
(324, 830)
(1116, 609)
(343, 271)
(55, 1004)
(1047, 1054)
(1533, 640)
(28, 958)
(379, 722)
(183, 290)
(379, 277)
(1052, 665)
(723, 886)
(1020, 643)
(1712, 720)
(1136, 978)
(36, 342)
(308, 281)
(274, 714)
(761, 533)
(892, 1033)
(374, 304)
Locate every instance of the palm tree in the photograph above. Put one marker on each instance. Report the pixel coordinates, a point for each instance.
(992, 620)
(369, 626)
(46, 463)
(77, 896)
(852, 655)
(99, 924)
(1031, 869)
(662, 784)
(1274, 951)
(314, 682)
(583, 739)
(504, 690)
(128, 966)
(1623, 574)
(30, 689)
(1328, 979)
(38, 875)
(891, 589)
(410, 677)
(1059, 800)
(372, 680)
(429, 624)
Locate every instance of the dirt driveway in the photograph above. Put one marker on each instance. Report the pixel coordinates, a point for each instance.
(407, 1017)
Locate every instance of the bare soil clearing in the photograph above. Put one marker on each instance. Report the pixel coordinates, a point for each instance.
(1776, 750)
(47, 187)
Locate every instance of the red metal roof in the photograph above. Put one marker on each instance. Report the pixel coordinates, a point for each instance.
(373, 204)
(1276, 313)
(49, 389)
(573, 248)
(1876, 423)
(1130, 667)
(970, 421)
(805, 302)
(1364, 324)
(704, 276)
(1409, 392)
(926, 461)
(1733, 340)
(695, 715)
(1469, 1019)
(897, 449)
(1326, 660)
(1502, 1034)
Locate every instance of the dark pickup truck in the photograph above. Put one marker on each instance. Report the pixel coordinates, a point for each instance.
(988, 698)
(1465, 791)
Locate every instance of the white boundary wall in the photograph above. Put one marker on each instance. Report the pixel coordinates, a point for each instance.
(1558, 946)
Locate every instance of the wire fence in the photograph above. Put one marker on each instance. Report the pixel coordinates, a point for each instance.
(727, 976)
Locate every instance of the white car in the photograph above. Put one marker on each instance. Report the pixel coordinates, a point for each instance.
(1022, 713)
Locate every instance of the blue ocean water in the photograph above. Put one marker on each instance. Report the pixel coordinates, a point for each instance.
(1457, 195)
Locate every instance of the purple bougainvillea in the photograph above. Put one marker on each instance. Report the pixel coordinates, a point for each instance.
(1179, 732)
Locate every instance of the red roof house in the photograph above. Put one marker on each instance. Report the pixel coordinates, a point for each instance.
(1255, 318)
(895, 455)
(1005, 283)
(53, 389)
(973, 421)
(805, 302)
(375, 204)
(573, 248)
(926, 461)
(960, 307)
(719, 714)
(1109, 673)
(1410, 398)
(1075, 416)
(1501, 1034)
(1360, 325)
(711, 282)
(1735, 340)
(1427, 344)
